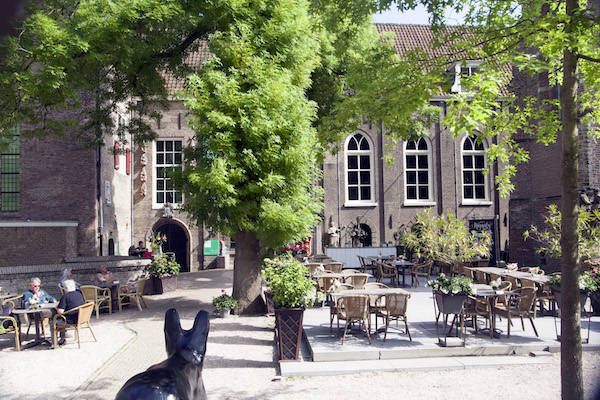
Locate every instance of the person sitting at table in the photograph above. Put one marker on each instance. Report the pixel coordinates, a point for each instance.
(35, 294)
(105, 277)
(141, 249)
(71, 299)
(66, 274)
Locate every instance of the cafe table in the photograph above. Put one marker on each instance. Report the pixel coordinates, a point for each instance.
(45, 310)
(489, 294)
(402, 265)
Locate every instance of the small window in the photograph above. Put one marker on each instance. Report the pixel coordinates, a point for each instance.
(10, 179)
(417, 171)
(474, 164)
(359, 169)
(168, 159)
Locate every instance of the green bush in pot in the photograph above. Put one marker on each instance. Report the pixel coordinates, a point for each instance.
(289, 282)
(164, 266)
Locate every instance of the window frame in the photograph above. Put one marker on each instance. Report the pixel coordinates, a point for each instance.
(371, 153)
(17, 174)
(418, 202)
(470, 65)
(473, 153)
(155, 204)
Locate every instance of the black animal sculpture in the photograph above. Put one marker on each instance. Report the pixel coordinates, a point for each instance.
(179, 377)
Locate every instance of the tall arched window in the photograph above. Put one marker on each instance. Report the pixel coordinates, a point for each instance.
(418, 186)
(359, 170)
(474, 182)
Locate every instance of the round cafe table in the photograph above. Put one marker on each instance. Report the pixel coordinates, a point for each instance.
(46, 310)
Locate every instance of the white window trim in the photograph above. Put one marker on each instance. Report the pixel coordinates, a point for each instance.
(371, 152)
(418, 202)
(155, 205)
(457, 87)
(474, 202)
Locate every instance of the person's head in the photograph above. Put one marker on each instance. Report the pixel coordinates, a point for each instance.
(34, 284)
(102, 269)
(140, 244)
(69, 285)
(66, 274)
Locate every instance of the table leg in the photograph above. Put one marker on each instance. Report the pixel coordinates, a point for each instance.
(38, 323)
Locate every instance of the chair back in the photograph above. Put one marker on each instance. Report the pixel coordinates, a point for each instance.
(89, 292)
(139, 286)
(355, 306)
(343, 286)
(505, 285)
(85, 312)
(512, 266)
(469, 273)
(513, 281)
(358, 280)
(375, 285)
(361, 261)
(326, 283)
(396, 303)
(334, 266)
(483, 263)
(480, 277)
(527, 283)
(313, 268)
(61, 290)
(525, 301)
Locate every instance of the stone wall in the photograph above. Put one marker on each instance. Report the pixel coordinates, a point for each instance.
(83, 270)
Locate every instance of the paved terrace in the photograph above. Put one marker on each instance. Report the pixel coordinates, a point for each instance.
(241, 362)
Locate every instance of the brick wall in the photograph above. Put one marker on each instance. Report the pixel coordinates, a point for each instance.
(37, 245)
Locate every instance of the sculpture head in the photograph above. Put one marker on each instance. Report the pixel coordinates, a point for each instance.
(189, 344)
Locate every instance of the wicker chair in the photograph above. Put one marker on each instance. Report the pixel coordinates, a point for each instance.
(124, 294)
(333, 310)
(418, 270)
(518, 307)
(83, 321)
(357, 280)
(393, 309)
(476, 307)
(99, 296)
(313, 268)
(9, 324)
(366, 265)
(354, 309)
(334, 266)
(325, 285)
(387, 271)
(480, 277)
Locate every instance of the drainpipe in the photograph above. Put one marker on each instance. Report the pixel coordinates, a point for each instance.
(339, 206)
(381, 189)
(455, 170)
(99, 199)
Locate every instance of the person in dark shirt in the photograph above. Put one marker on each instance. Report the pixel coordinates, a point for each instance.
(71, 299)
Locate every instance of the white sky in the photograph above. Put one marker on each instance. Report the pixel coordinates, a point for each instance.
(417, 16)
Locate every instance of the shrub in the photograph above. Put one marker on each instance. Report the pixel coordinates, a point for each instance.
(289, 282)
(224, 302)
(453, 286)
(164, 266)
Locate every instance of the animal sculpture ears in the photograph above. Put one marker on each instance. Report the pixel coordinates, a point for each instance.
(191, 344)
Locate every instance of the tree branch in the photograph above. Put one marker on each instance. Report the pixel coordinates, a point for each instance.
(588, 58)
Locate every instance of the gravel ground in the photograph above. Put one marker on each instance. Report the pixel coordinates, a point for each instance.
(240, 362)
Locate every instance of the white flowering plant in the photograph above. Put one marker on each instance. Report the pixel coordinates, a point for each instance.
(453, 286)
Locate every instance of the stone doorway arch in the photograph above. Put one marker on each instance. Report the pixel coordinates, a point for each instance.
(178, 240)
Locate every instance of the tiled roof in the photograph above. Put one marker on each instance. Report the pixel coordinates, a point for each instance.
(406, 37)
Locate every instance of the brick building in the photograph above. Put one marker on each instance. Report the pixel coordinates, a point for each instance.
(76, 201)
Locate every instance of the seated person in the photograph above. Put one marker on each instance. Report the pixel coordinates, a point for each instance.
(105, 277)
(71, 299)
(141, 249)
(35, 295)
(66, 274)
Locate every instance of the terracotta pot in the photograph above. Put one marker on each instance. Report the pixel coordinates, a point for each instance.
(289, 332)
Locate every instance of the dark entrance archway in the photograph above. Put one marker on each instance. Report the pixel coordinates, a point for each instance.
(177, 242)
(367, 239)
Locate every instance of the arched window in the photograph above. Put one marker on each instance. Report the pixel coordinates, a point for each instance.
(474, 182)
(359, 170)
(418, 186)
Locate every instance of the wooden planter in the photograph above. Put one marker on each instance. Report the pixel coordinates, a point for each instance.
(164, 284)
(582, 297)
(289, 332)
(449, 304)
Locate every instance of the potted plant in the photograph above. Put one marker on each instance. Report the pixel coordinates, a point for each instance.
(224, 304)
(593, 266)
(164, 270)
(587, 284)
(450, 293)
(292, 291)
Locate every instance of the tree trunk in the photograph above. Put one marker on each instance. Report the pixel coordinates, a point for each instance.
(246, 274)
(570, 337)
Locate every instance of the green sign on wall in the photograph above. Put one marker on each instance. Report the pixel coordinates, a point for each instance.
(211, 247)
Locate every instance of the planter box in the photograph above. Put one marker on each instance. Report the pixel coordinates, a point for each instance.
(582, 297)
(162, 285)
(449, 304)
(289, 332)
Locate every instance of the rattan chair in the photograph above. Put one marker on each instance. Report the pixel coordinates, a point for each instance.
(357, 280)
(387, 271)
(333, 310)
(9, 325)
(423, 270)
(83, 321)
(518, 307)
(99, 296)
(354, 309)
(325, 285)
(476, 307)
(125, 294)
(313, 268)
(394, 310)
(334, 266)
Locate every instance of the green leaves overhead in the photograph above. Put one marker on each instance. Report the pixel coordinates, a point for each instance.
(255, 168)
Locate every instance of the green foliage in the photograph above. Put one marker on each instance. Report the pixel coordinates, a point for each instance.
(588, 281)
(588, 234)
(164, 266)
(254, 168)
(224, 302)
(453, 286)
(289, 281)
(444, 238)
